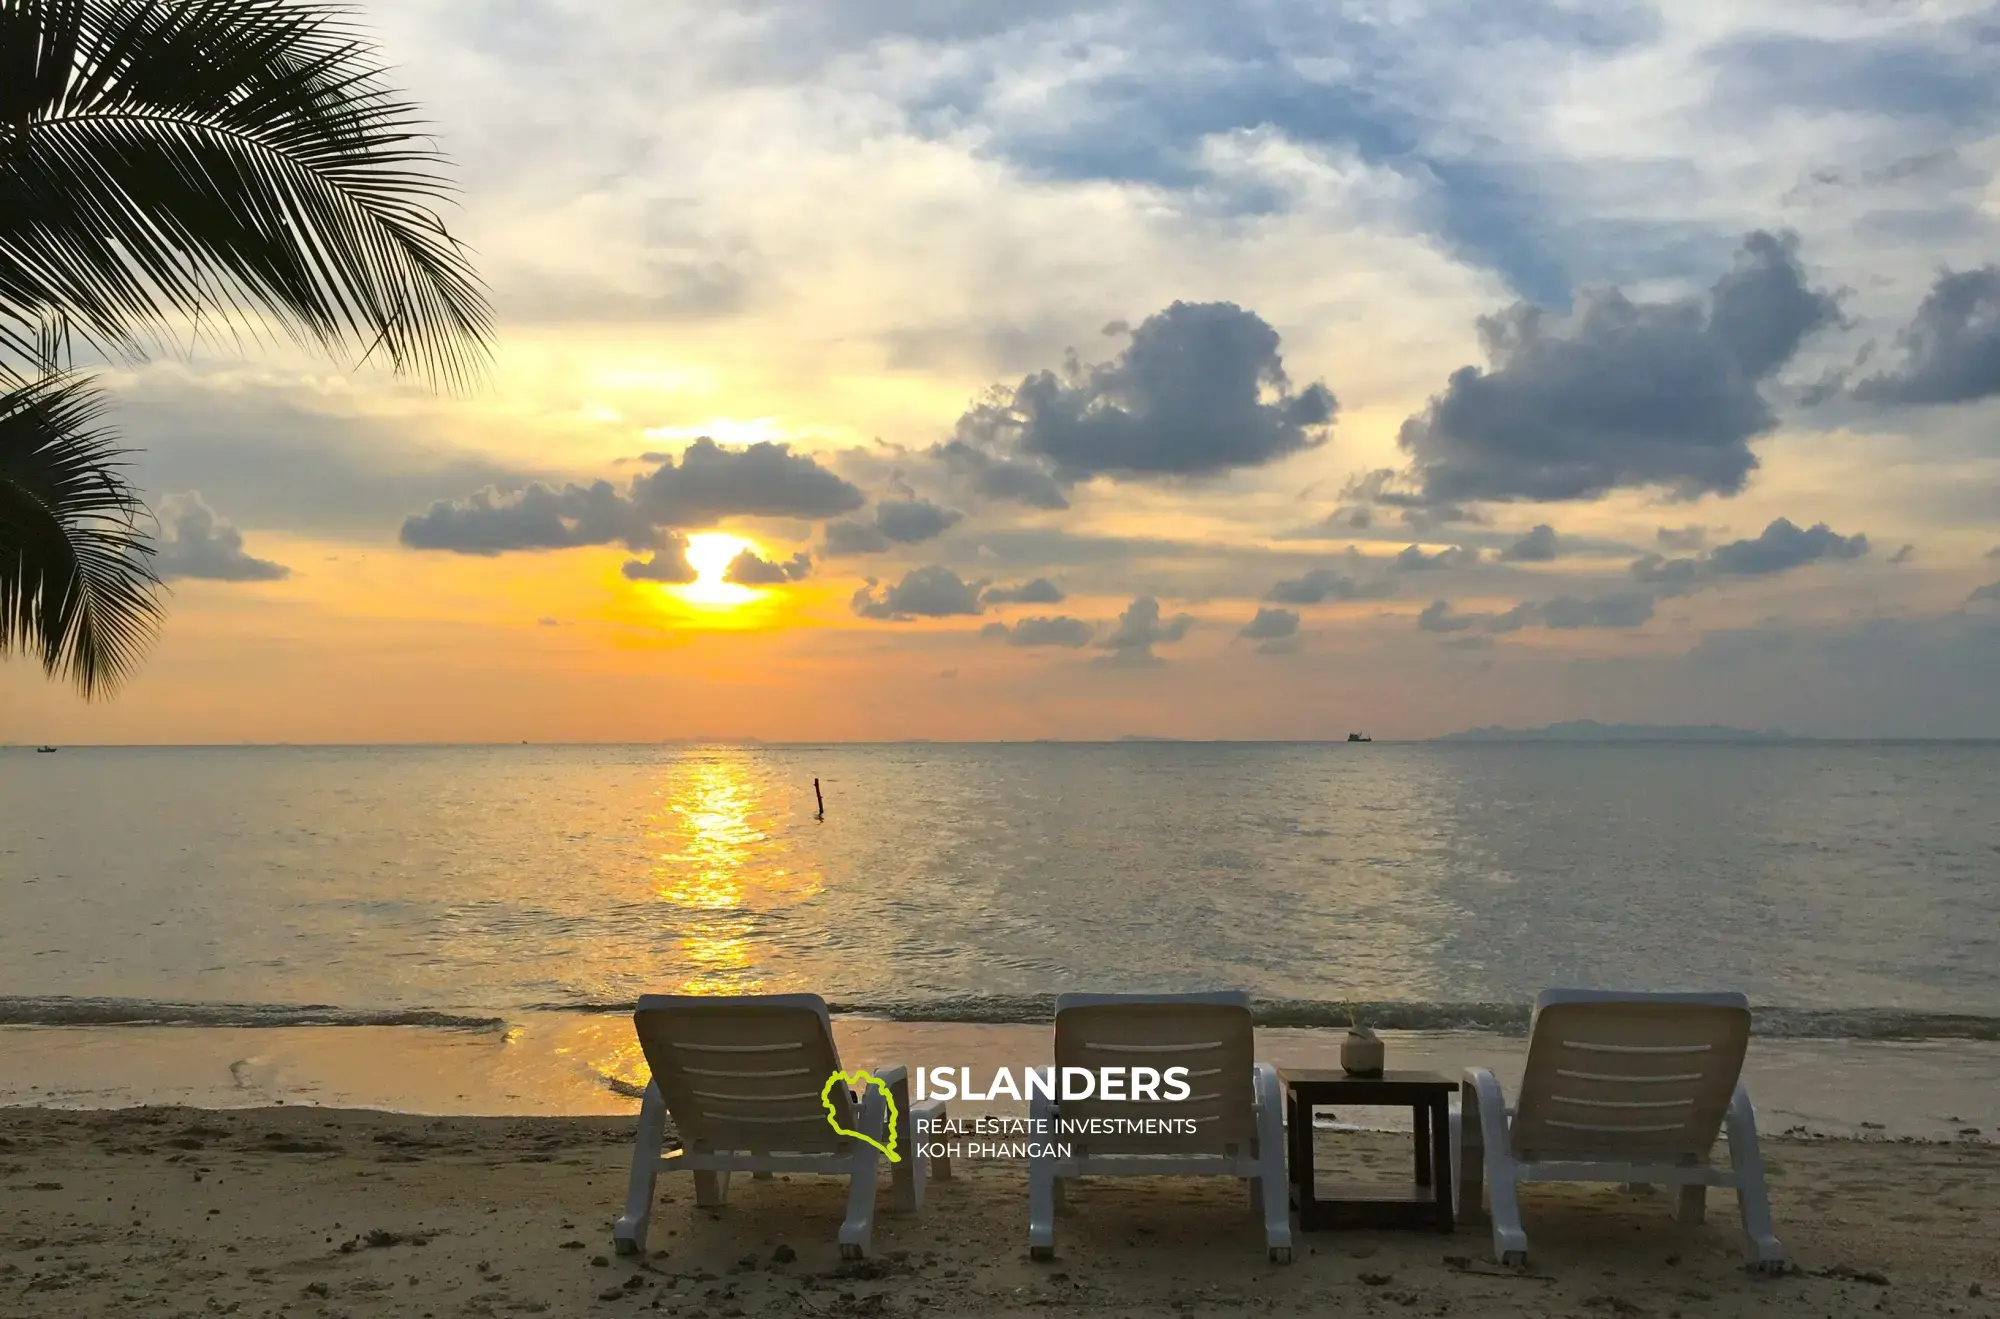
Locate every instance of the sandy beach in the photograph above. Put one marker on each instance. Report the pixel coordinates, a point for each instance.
(319, 1212)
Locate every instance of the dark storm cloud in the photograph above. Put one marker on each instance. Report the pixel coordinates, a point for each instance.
(1684, 539)
(1948, 79)
(194, 542)
(1903, 556)
(1140, 628)
(1621, 393)
(1951, 348)
(1061, 630)
(1201, 389)
(708, 484)
(749, 569)
(1040, 591)
(1538, 546)
(1319, 585)
(1987, 594)
(928, 592)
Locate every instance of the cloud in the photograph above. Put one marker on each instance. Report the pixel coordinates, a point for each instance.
(928, 592)
(1538, 546)
(897, 522)
(1623, 609)
(910, 521)
(668, 563)
(748, 569)
(1200, 390)
(1040, 591)
(709, 483)
(1685, 539)
(1140, 629)
(1413, 559)
(1437, 616)
(195, 543)
(1621, 394)
(1322, 584)
(1987, 594)
(1782, 546)
(1061, 630)
(1274, 627)
(1903, 556)
(1000, 478)
(765, 479)
(1951, 348)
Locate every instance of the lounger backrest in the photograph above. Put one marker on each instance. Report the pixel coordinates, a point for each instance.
(745, 1073)
(1629, 1077)
(1209, 1034)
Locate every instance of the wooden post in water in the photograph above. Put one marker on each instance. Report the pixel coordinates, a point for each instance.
(821, 799)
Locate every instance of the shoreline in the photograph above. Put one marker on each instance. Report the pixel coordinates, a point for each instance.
(565, 1064)
(325, 1212)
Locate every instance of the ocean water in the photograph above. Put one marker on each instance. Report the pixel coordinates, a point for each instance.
(1856, 886)
(1852, 890)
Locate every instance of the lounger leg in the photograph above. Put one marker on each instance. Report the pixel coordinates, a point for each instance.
(711, 1189)
(906, 1175)
(1271, 1185)
(1043, 1188)
(858, 1230)
(628, 1234)
(1485, 1112)
(1753, 1197)
(1468, 1158)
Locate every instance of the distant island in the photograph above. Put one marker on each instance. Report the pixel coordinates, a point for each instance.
(1589, 730)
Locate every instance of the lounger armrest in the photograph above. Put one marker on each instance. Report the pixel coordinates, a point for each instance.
(1482, 1124)
(890, 1075)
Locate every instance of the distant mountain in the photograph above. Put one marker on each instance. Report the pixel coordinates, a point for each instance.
(1589, 730)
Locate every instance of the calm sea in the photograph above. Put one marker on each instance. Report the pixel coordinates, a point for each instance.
(1851, 889)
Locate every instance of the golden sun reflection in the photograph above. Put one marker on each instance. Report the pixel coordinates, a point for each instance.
(710, 554)
(720, 875)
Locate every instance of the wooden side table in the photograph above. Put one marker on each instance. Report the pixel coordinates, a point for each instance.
(1423, 1203)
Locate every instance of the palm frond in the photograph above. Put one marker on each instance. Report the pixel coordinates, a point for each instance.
(165, 159)
(75, 585)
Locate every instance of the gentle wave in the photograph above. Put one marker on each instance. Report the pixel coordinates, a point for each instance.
(59, 1011)
(1493, 1018)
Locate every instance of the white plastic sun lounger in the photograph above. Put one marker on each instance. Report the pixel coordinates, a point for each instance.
(1619, 1087)
(743, 1078)
(1237, 1105)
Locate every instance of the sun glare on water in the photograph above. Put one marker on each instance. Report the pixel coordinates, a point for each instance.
(710, 555)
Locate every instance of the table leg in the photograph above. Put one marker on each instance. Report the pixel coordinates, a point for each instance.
(1420, 1118)
(1440, 1125)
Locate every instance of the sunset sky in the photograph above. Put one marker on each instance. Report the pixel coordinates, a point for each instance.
(1190, 368)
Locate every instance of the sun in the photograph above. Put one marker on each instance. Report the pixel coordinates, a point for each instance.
(710, 555)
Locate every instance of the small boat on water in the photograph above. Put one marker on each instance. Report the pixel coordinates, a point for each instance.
(1356, 737)
(45, 750)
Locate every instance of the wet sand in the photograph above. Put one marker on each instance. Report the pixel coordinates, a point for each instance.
(320, 1212)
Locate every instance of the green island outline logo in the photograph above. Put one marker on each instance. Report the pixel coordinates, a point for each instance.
(857, 1082)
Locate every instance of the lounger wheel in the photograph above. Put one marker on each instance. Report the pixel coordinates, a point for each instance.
(1515, 1259)
(1042, 1253)
(1281, 1254)
(852, 1250)
(624, 1246)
